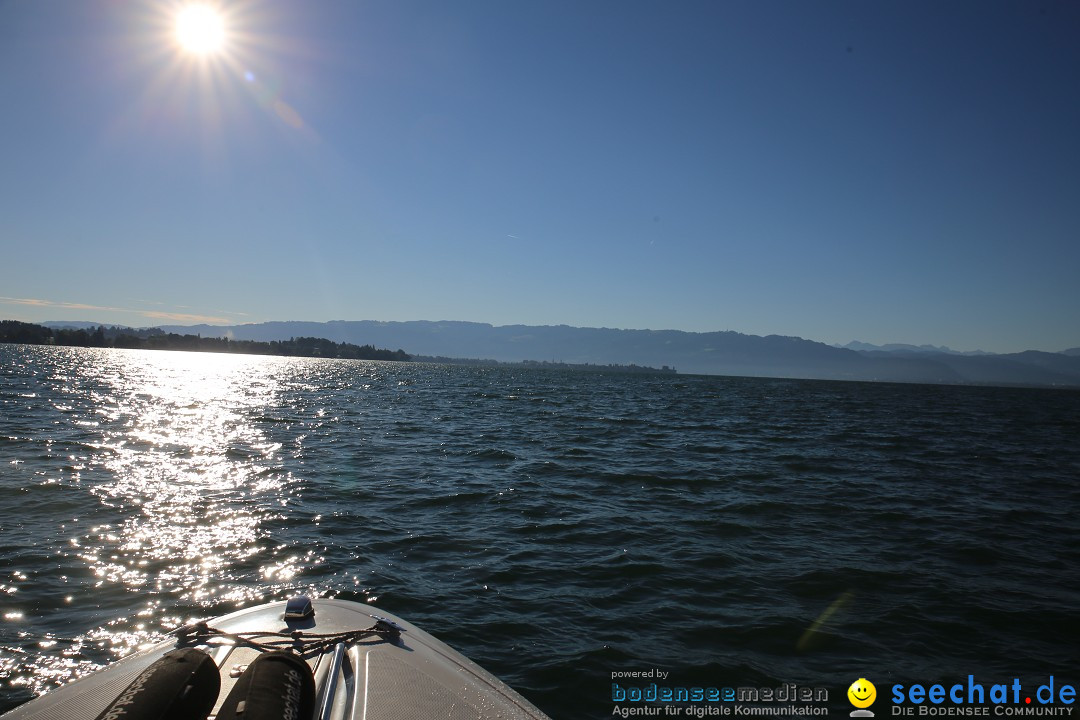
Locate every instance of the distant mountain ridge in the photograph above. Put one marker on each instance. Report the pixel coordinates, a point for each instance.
(712, 353)
(903, 347)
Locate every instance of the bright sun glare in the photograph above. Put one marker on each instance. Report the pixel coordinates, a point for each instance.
(200, 29)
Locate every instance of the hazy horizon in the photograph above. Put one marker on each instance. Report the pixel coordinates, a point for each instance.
(447, 320)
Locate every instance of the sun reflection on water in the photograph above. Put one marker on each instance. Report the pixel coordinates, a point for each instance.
(187, 458)
(171, 498)
(172, 447)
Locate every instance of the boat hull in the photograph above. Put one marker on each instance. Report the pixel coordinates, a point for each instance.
(403, 673)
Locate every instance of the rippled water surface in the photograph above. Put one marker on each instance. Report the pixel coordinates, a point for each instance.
(553, 526)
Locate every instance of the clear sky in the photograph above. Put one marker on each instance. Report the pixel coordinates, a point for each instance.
(880, 171)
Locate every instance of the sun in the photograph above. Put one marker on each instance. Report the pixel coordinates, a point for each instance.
(200, 29)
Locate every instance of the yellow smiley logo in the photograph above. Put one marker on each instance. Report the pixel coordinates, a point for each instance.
(862, 693)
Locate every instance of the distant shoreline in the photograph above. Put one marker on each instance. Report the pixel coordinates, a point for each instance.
(550, 365)
(14, 331)
(118, 337)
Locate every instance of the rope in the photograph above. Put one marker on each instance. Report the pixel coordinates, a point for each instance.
(297, 641)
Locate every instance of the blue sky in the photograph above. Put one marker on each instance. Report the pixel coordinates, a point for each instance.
(880, 171)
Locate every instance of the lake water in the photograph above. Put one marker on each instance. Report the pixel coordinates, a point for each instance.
(555, 527)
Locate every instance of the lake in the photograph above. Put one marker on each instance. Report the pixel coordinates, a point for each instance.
(556, 527)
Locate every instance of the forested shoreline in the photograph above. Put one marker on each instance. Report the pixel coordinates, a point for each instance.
(15, 331)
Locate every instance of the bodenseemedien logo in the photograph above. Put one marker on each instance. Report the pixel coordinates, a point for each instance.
(862, 694)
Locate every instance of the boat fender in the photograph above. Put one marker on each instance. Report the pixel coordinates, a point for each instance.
(277, 685)
(180, 685)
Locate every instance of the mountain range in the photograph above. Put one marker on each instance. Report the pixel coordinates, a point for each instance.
(905, 348)
(712, 353)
